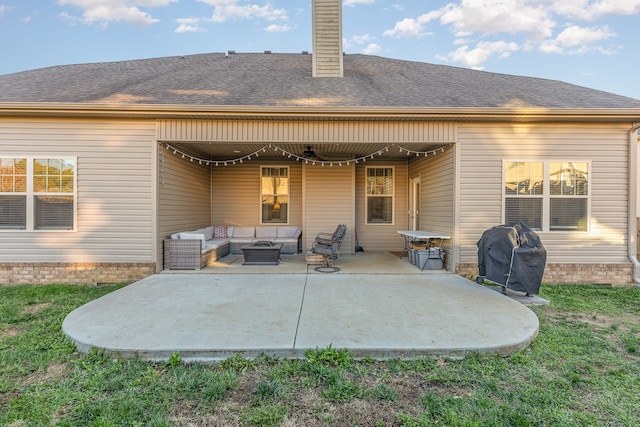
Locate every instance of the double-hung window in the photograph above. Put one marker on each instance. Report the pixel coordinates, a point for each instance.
(380, 192)
(13, 194)
(37, 193)
(547, 195)
(274, 191)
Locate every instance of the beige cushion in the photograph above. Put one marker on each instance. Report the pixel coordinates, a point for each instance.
(202, 231)
(287, 230)
(266, 232)
(243, 232)
(208, 233)
(215, 243)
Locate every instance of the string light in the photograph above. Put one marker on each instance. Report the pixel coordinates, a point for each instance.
(216, 162)
(424, 153)
(298, 158)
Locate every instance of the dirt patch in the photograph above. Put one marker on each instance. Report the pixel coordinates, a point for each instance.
(35, 308)
(11, 331)
(187, 416)
(54, 372)
(600, 320)
(307, 406)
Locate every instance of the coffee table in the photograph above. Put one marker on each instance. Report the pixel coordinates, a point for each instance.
(262, 253)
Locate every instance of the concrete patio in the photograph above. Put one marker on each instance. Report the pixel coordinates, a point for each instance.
(377, 305)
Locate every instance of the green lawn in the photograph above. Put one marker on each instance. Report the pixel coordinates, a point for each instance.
(582, 370)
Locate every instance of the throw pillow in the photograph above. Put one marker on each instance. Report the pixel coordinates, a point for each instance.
(220, 232)
(298, 233)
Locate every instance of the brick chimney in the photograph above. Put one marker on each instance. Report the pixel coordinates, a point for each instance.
(327, 38)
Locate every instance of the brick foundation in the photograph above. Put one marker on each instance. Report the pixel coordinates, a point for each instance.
(73, 273)
(573, 274)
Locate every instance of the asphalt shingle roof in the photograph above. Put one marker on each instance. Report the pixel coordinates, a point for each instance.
(260, 79)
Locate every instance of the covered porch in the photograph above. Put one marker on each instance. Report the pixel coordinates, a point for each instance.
(213, 175)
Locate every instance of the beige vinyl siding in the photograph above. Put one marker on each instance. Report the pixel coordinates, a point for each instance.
(437, 197)
(235, 193)
(184, 197)
(382, 237)
(483, 149)
(115, 193)
(309, 131)
(328, 200)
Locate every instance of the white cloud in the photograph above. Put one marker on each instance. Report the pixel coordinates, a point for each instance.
(188, 25)
(355, 2)
(574, 35)
(224, 10)
(359, 40)
(522, 25)
(475, 58)
(575, 39)
(371, 49)
(105, 11)
(499, 16)
(362, 39)
(588, 10)
(407, 28)
(274, 28)
(3, 9)
(410, 28)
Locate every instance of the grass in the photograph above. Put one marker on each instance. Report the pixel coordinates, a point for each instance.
(582, 370)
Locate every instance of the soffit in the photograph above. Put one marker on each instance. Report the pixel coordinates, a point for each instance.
(296, 152)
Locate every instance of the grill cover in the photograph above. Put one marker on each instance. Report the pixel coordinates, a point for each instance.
(513, 256)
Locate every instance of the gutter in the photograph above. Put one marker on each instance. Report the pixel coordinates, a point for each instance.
(633, 196)
(318, 112)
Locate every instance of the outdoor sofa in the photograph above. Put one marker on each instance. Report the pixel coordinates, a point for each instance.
(193, 250)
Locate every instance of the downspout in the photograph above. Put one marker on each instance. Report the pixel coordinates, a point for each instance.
(633, 195)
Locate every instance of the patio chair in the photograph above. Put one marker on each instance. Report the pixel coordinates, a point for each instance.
(328, 245)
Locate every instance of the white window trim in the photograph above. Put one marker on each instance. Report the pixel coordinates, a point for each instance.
(288, 195)
(30, 194)
(393, 198)
(546, 192)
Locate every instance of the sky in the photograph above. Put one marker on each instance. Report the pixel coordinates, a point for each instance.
(592, 43)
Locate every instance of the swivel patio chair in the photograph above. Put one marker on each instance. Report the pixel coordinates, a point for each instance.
(328, 245)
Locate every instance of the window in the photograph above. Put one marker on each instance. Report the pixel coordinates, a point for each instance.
(13, 194)
(37, 194)
(523, 193)
(379, 195)
(547, 196)
(274, 190)
(568, 198)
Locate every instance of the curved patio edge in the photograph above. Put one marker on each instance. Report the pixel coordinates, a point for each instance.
(210, 317)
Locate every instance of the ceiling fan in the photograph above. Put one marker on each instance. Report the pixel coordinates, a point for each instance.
(310, 154)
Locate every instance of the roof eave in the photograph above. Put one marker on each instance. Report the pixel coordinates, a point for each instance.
(166, 111)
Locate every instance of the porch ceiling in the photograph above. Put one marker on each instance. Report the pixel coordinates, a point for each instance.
(323, 151)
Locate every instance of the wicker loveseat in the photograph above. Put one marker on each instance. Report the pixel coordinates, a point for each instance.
(193, 250)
